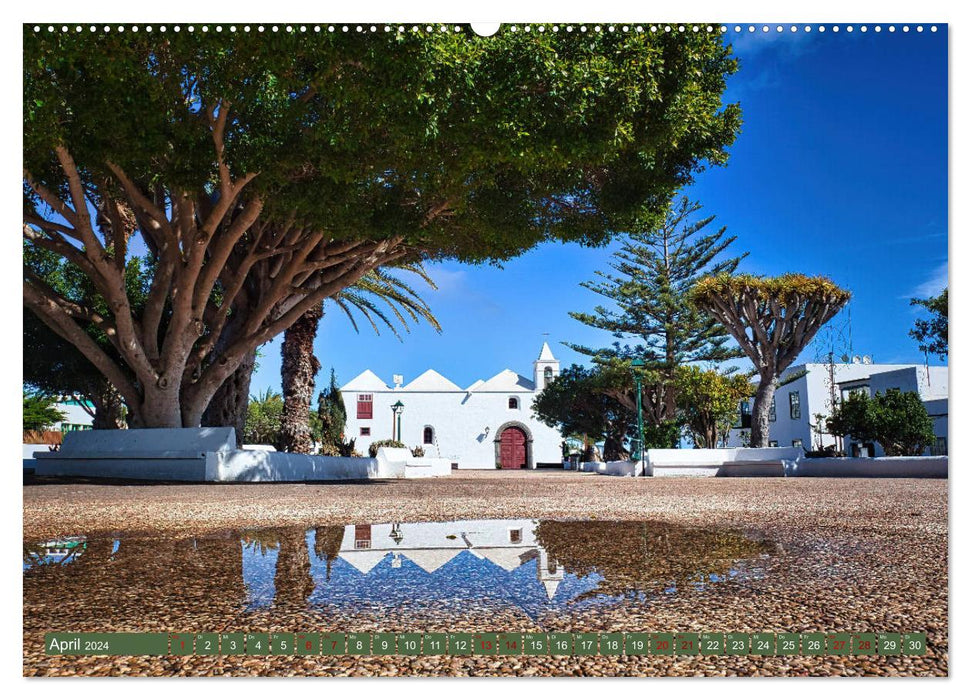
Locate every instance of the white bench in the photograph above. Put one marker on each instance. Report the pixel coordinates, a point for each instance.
(739, 461)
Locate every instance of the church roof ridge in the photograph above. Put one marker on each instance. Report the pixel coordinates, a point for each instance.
(507, 380)
(366, 380)
(431, 380)
(546, 354)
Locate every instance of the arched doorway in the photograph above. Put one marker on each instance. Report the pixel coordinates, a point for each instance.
(512, 445)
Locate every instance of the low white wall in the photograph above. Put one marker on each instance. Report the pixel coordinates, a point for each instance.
(593, 466)
(624, 468)
(180, 455)
(191, 440)
(30, 449)
(720, 456)
(881, 467)
(260, 465)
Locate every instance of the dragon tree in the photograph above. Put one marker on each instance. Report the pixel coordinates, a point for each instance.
(259, 174)
(772, 319)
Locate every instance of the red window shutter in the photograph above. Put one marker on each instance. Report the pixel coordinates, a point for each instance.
(365, 409)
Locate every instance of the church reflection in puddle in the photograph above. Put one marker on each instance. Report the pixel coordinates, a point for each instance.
(532, 566)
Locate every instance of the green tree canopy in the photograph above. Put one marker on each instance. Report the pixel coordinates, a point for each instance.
(708, 403)
(578, 402)
(40, 412)
(263, 416)
(265, 172)
(931, 334)
(897, 420)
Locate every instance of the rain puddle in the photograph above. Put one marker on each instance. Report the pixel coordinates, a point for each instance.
(407, 575)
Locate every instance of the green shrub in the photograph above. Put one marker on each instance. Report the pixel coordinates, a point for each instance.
(376, 445)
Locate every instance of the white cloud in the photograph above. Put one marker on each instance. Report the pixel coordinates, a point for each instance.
(933, 285)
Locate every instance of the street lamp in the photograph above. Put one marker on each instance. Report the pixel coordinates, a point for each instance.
(396, 409)
(635, 368)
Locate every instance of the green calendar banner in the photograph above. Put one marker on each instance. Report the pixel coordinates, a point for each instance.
(106, 644)
(460, 644)
(384, 644)
(737, 643)
(813, 644)
(308, 644)
(662, 644)
(763, 644)
(889, 644)
(282, 644)
(612, 644)
(434, 644)
(863, 644)
(487, 644)
(257, 644)
(787, 644)
(838, 644)
(536, 644)
(409, 644)
(712, 644)
(181, 644)
(637, 644)
(915, 644)
(231, 643)
(510, 644)
(586, 644)
(687, 643)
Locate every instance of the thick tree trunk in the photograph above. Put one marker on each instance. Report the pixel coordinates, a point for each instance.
(614, 449)
(293, 582)
(109, 411)
(229, 405)
(298, 370)
(760, 411)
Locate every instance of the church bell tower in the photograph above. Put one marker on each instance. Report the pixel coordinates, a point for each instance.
(545, 368)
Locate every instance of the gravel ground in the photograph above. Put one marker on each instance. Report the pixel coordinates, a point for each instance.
(848, 555)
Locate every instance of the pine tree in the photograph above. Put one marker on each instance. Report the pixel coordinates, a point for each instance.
(331, 414)
(653, 273)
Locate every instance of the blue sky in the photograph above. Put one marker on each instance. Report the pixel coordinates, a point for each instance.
(840, 169)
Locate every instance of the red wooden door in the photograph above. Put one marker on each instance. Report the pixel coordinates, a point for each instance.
(512, 449)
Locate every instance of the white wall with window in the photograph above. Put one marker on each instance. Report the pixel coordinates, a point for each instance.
(796, 405)
(466, 426)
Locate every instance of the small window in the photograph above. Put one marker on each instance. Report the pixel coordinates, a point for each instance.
(773, 443)
(797, 443)
(744, 416)
(365, 431)
(365, 406)
(362, 537)
(428, 437)
(772, 410)
(547, 375)
(515, 536)
(795, 411)
(513, 402)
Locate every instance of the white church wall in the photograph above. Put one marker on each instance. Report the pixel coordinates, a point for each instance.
(466, 423)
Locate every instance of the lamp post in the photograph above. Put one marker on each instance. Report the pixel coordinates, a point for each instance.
(396, 409)
(635, 368)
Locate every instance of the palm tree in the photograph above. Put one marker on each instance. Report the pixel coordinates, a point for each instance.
(383, 298)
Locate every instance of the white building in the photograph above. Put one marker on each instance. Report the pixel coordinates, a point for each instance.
(487, 425)
(793, 416)
(507, 544)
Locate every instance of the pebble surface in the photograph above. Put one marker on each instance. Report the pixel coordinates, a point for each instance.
(849, 555)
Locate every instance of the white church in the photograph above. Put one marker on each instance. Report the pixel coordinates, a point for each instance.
(487, 425)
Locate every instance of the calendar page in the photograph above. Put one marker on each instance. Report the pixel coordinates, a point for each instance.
(525, 349)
